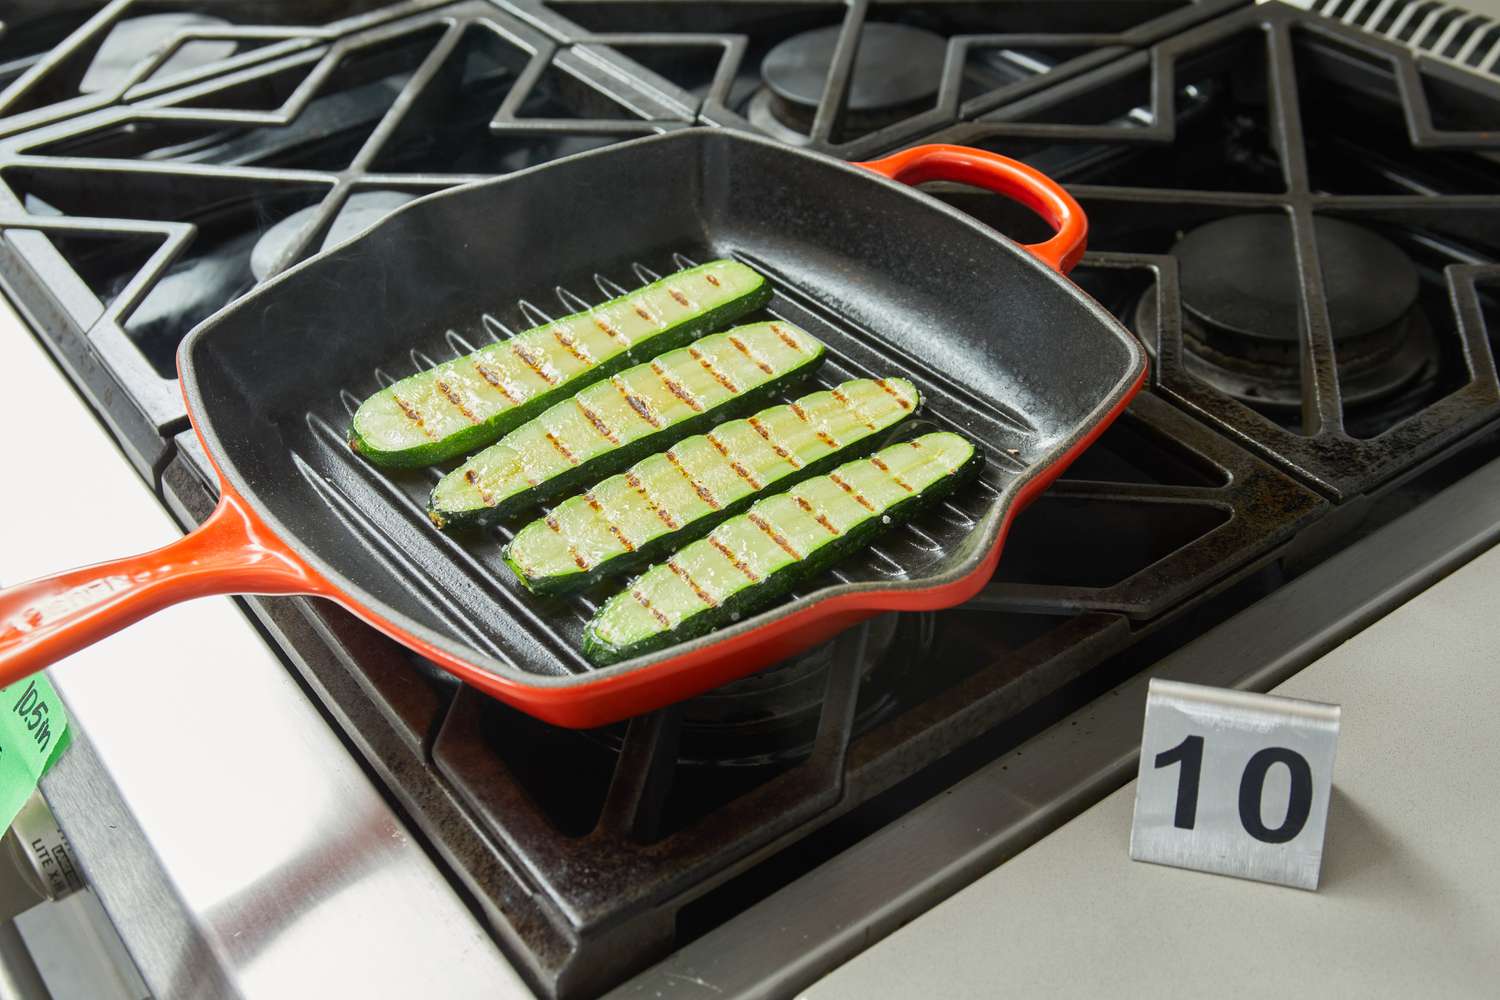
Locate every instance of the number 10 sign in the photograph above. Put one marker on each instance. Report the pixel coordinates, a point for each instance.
(1234, 783)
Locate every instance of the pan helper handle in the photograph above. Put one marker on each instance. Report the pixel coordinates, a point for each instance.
(231, 552)
(1002, 175)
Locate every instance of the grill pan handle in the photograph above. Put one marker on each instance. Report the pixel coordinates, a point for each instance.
(231, 552)
(1002, 175)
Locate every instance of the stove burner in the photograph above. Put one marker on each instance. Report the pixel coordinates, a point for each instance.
(132, 40)
(771, 717)
(360, 212)
(896, 73)
(1242, 310)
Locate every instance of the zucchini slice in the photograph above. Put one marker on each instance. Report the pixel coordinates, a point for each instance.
(748, 561)
(668, 499)
(466, 403)
(614, 422)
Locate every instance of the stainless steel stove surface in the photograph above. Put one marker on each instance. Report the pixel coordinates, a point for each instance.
(1300, 220)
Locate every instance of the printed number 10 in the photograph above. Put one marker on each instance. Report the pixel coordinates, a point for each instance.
(1189, 753)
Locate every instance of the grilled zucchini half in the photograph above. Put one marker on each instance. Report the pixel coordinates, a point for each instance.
(466, 403)
(667, 499)
(748, 561)
(617, 421)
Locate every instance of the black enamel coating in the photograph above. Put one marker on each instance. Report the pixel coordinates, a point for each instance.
(893, 282)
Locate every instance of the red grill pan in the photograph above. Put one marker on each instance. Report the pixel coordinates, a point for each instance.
(1003, 347)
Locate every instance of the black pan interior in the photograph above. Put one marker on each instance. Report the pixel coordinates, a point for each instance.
(1002, 349)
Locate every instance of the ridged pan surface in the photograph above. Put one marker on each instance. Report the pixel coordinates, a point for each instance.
(1003, 349)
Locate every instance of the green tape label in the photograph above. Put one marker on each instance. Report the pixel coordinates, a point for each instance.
(33, 731)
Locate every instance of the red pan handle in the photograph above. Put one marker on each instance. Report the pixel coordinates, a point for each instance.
(231, 552)
(1002, 175)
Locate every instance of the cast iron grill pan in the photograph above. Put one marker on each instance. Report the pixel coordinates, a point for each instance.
(461, 578)
(1002, 347)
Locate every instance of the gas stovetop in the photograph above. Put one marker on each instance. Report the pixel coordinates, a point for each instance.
(1301, 221)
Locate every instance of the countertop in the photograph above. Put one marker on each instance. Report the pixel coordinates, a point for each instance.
(1410, 898)
(254, 857)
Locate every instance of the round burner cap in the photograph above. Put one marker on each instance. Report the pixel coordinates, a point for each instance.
(896, 65)
(1239, 275)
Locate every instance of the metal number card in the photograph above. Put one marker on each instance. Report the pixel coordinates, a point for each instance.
(1234, 783)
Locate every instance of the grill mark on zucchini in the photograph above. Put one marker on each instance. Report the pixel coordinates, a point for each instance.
(571, 346)
(744, 474)
(634, 483)
(454, 398)
(739, 345)
(703, 479)
(562, 449)
(608, 329)
(527, 372)
(712, 280)
(785, 337)
(577, 556)
(676, 389)
(844, 401)
(666, 622)
(781, 452)
(734, 560)
(899, 401)
(681, 299)
(774, 535)
(544, 372)
(708, 366)
(875, 460)
(493, 378)
(412, 414)
(818, 515)
(703, 492)
(734, 463)
(859, 497)
(686, 577)
(636, 403)
(768, 538)
(614, 529)
(473, 478)
(591, 434)
(598, 424)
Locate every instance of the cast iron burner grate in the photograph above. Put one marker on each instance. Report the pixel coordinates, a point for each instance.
(125, 227)
(63, 57)
(852, 78)
(1361, 191)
